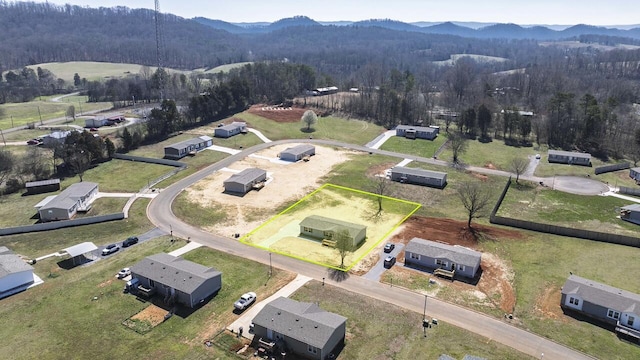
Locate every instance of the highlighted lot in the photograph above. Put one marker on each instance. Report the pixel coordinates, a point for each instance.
(282, 233)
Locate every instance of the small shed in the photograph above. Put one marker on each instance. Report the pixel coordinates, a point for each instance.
(298, 152)
(96, 122)
(43, 186)
(244, 181)
(230, 130)
(79, 252)
(569, 157)
(419, 176)
(179, 150)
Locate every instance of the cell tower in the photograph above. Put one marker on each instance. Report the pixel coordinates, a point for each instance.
(159, 40)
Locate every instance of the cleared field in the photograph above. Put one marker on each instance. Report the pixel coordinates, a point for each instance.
(92, 70)
(121, 175)
(37, 111)
(398, 333)
(528, 201)
(479, 58)
(350, 131)
(81, 298)
(281, 234)
(493, 155)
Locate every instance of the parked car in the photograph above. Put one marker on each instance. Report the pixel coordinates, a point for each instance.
(538, 156)
(389, 261)
(389, 247)
(33, 142)
(110, 249)
(124, 273)
(245, 301)
(130, 241)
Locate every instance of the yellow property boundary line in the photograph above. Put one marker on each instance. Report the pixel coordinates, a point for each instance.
(245, 238)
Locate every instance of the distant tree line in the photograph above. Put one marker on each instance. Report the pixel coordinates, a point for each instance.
(27, 84)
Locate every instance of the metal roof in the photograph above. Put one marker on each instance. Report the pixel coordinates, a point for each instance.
(42, 183)
(417, 128)
(302, 321)
(569, 153)
(80, 249)
(246, 176)
(454, 253)
(233, 125)
(11, 263)
(322, 223)
(69, 196)
(632, 207)
(602, 294)
(189, 142)
(45, 201)
(173, 271)
(298, 150)
(419, 172)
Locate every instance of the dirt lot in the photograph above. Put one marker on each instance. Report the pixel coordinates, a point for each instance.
(152, 314)
(497, 276)
(286, 183)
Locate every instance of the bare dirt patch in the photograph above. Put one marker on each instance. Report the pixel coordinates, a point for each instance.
(278, 114)
(105, 283)
(497, 276)
(548, 303)
(287, 182)
(151, 314)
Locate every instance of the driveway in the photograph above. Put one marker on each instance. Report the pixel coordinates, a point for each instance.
(378, 269)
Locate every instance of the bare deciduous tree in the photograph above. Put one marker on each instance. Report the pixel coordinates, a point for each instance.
(518, 165)
(475, 199)
(79, 163)
(7, 162)
(344, 244)
(380, 187)
(458, 145)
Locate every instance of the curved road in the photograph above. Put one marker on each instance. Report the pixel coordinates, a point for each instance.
(160, 213)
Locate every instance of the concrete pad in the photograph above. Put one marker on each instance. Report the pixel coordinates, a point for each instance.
(259, 135)
(247, 316)
(185, 249)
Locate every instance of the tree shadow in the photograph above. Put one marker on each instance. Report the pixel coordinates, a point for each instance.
(307, 131)
(337, 275)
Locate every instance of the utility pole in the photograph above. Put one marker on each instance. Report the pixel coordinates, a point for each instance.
(270, 266)
(11, 120)
(425, 323)
(40, 114)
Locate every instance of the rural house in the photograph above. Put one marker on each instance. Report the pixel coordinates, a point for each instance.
(444, 259)
(55, 138)
(15, 274)
(631, 213)
(64, 206)
(300, 328)
(568, 157)
(419, 176)
(323, 228)
(175, 279)
(96, 122)
(230, 130)
(43, 186)
(245, 180)
(603, 303)
(417, 132)
(183, 148)
(298, 152)
(634, 173)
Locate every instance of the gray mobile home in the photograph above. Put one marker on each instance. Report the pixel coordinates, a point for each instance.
(458, 260)
(298, 152)
(181, 149)
(77, 197)
(634, 173)
(604, 303)
(300, 328)
(230, 130)
(320, 227)
(631, 213)
(417, 132)
(175, 279)
(245, 180)
(419, 176)
(15, 274)
(568, 157)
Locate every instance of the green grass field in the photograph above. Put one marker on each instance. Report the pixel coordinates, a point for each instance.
(597, 213)
(424, 148)
(60, 318)
(121, 175)
(494, 154)
(281, 234)
(398, 333)
(92, 70)
(37, 111)
(350, 131)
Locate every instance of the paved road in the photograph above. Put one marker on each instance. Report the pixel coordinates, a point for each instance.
(159, 213)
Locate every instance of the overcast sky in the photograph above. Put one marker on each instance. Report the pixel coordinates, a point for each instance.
(523, 12)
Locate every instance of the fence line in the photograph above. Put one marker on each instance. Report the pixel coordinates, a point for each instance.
(556, 229)
(612, 167)
(53, 225)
